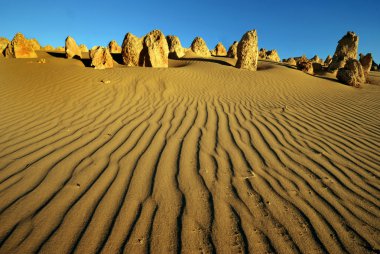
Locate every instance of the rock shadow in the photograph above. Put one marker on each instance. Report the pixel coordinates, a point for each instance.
(86, 61)
(205, 60)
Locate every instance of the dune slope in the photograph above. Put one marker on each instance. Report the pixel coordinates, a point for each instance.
(201, 157)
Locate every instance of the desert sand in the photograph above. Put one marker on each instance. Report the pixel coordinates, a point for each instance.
(200, 157)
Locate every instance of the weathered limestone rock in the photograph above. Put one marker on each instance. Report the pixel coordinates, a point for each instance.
(232, 51)
(317, 67)
(48, 48)
(305, 66)
(352, 73)
(35, 44)
(20, 47)
(101, 58)
(366, 62)
(83, 48)
(199, 47)
(247, 51)
(3, 44)
(155, 50)
(220, 50)
(300, 59)
(328, 60)
(213, 52)
(114, 47)
(262, 54)
(347, 49)
(316, 59)
(290, 61)
(131, 50)
(71, 48)
(175, 47)
(269, 55)
(273, 55)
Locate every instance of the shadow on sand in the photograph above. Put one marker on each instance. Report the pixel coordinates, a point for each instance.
(85, 61)
(204, 60)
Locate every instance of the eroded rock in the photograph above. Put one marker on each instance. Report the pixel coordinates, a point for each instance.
(83, 48)
(20, 47)
(175, 47)
(3, 44)
(71, 48)
(316, 59)
(290, 61)
(347, 49)
(131, 50)
(199, 47)
(155, 49)
(101, 58)
(366, 62)
(352, 73)
(328, 60)
(35, 44)
(232, 51)
(220, 50)
(114, 47)
(305, 66)
(48, 48)
(262, 54)
(247, 51)
(273, 55)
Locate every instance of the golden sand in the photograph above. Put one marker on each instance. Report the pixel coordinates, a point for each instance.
(196, 158)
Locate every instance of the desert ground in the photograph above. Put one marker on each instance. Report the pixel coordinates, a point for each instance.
(200, 157)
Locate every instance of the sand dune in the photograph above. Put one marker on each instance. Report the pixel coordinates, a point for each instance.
(197, 158)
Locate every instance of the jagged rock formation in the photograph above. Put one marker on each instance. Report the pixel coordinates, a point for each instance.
(155, 49)
(347, 49)
(328, 60)
(247, 51)
(199, 47)
(131, 50)
(83, 48)
(262, 54)
(48, 48)
(273, 55)
(232, 51)
(175, 48)
(220, 50)
(352, 73)
(114, 47)
(269, 55)
(150, 51)
(35, 44)
(290, 61)
(300, 59)
(305, 66)
(316, 59)
(20, 47)
(3, 44)
(71, 48)
(366, 62)
(101, 58)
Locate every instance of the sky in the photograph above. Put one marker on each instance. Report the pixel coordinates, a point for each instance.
(293, 27)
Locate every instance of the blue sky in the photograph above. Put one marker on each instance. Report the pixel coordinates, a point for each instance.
(292, 27)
